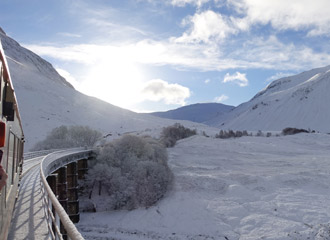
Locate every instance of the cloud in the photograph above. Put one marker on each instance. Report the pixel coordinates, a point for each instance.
(148, 52)
(257, 52)
(295, 15)
(67, 76)
(207, 81)
(103, 21)
(81, 53)
(221, 99)
(279, 75)
(182, 3)
(210, 41)
(210, 26)
(237, 78)
(205, 27)
(160, 90)
(71, 35)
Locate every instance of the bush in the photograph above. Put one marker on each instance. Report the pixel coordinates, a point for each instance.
(170, 135)
(291, 131)
(66, 137)
(260, 134)
(231, 134)
(132, 171)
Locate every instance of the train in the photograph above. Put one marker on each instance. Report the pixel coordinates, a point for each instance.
(11, 146)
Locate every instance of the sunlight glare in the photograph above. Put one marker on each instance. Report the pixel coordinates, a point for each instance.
(116, 81)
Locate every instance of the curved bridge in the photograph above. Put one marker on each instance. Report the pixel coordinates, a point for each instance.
(38, 213)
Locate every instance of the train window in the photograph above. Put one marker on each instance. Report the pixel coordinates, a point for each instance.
(8, 103)
(18, 149)
(1, 76)
(6, 164)
(2, 134)
(13, 160)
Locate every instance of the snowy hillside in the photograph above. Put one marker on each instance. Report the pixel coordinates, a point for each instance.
(300, 101)
(46, 101)
(249, 188)
(199, 112)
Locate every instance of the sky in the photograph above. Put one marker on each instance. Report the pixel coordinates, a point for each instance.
(156, 55)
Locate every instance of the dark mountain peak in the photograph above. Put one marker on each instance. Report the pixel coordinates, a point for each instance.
(2, 31)
(199, 112)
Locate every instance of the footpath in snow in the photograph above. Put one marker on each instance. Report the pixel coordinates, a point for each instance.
(244, 188)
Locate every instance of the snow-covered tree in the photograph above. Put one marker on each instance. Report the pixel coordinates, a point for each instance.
(130, 172)
(66, 137)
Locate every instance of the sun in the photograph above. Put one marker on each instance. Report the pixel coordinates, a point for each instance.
(116, 81)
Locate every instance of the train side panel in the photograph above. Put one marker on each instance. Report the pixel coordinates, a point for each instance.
(11, 146)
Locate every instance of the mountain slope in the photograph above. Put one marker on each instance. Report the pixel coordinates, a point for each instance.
(199, 112)
(300, 101)
(46, 100)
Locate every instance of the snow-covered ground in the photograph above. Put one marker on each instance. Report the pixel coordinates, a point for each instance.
(244, 188)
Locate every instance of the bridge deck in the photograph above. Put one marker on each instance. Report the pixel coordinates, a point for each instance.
(28, 221)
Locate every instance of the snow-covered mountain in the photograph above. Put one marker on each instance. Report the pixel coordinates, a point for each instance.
(199, 112)
(300, 101)
(46, 100)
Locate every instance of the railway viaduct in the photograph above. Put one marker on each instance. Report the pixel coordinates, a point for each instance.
(47, 205)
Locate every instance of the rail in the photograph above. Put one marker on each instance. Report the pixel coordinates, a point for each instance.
(35, 154)
(49, 164)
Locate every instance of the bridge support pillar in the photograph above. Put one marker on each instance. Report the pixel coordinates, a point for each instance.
(73, 201)
(62, 187)
(82, 168)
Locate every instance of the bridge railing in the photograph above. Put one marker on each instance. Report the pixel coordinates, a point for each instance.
(29, 155)
(49, 164)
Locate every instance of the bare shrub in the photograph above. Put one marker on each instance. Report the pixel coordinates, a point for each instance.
(260, 134)
(170, 135)
(291, 131)
(238, 134)
(231, 134)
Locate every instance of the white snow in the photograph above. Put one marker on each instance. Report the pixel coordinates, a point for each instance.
(244, 188)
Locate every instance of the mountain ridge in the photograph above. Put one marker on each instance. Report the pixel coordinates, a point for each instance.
(29, 59)
(198, 112)
(295, 101)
